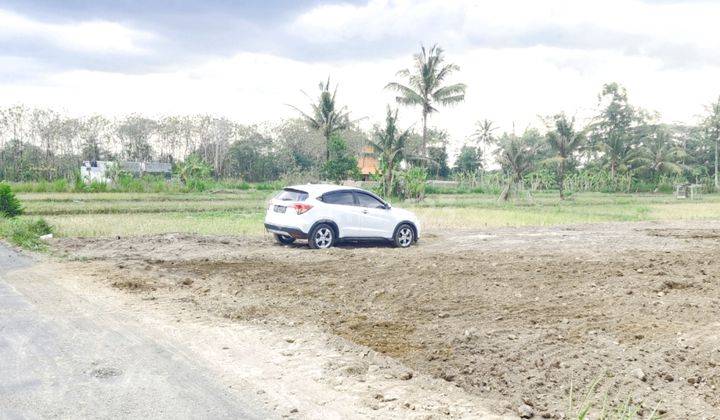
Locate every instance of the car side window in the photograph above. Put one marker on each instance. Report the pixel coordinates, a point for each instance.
(369, 201)
(343, 198)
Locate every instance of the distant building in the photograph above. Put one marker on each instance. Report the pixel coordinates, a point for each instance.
(100, 171)
(368, 163)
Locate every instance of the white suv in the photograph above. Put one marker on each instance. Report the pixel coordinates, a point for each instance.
(326, 214)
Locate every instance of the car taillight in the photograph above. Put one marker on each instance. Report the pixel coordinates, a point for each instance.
(301, 208)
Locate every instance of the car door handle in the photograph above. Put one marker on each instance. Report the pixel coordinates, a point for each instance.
(365, 212)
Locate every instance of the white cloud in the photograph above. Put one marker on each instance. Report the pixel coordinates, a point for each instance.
(88, 36)
(674, 31)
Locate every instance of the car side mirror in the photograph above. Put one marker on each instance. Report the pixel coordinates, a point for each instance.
(387, 206)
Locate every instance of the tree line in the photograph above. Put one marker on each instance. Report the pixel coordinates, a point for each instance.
(623, 148)
(42, 144)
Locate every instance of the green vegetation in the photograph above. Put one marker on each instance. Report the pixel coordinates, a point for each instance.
(242, 212)
(25, 232)
(517, 157)
(145, 184)
(195, 173)
(9, 204)
(341, 165)
(595, 405)
(469, 160)
(412, 183)
(389, 144)
(425, 87)
(326, 117)
(564, 141)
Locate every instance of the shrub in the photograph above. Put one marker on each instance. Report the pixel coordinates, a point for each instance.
(341, 164)
(193, 168)
(9, 204)
(128, 183)
(197, 185)
(412, 183)
(25, 233)
(340, 169)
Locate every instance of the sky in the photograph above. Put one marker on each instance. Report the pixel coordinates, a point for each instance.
(247, 60)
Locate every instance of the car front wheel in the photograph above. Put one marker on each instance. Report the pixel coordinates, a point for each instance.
(322, 237)
(404, 236)
(284, 239)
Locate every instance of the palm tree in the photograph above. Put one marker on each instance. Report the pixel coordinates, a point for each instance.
(616, 152)
(389, 144)
(614, 128)
(325, 116)
(425, 86)
(658, 154)
(484, 136)
(563, 140)
(516, 155)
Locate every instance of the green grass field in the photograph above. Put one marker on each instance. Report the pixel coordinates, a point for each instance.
(241, 212)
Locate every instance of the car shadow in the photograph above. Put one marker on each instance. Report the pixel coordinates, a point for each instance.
(346, 245)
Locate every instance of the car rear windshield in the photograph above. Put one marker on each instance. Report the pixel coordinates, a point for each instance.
(289, 194)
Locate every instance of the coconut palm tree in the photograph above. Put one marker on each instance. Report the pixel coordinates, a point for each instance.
(389, 144)
(614, 129)
(658, 154)
(563, 140)
(616, 152)
(425, 86)
(516, 155)
(484, 136)
(326, 116)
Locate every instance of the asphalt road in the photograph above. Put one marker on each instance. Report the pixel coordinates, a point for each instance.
(64, 357)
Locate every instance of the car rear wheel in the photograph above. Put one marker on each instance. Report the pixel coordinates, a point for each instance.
(284, 239)
(404, 236)
(322, 237)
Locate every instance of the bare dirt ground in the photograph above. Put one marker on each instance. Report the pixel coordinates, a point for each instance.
(509, 317)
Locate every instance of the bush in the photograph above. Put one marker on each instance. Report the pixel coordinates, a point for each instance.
(25, 233)
(341, 165)
(412, 183)
(197, 185)
(193, 168)
(9, 204)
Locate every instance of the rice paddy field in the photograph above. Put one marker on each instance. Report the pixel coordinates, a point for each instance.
(242, 212)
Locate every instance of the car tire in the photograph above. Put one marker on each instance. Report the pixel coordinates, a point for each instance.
(404, 236)
(284, 239)
(322, 237)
